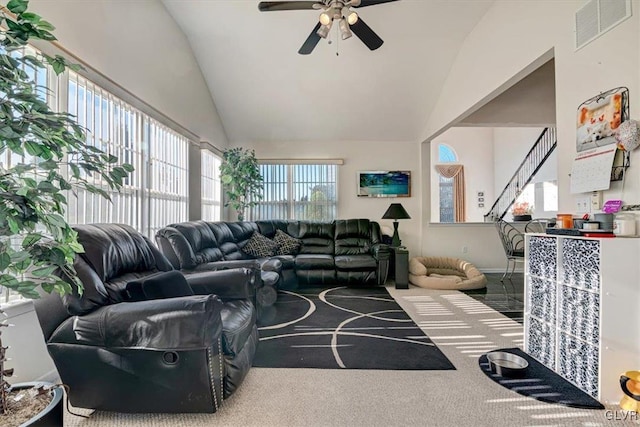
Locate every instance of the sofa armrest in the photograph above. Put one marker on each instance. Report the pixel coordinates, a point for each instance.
(169, 284)
(380, 251)
(271, 264)
(234, 283)
(226, 265)
(176, 248)
(192, 322)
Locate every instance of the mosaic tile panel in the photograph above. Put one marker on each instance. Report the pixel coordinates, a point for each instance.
(581, 263)
(541, 342)
(578, 363)
(542, 255)
(580, 314)
(541, 299)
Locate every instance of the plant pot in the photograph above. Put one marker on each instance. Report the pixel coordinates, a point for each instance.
(522, 217)
(49, 416)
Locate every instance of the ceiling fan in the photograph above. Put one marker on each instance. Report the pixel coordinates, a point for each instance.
(348, 21)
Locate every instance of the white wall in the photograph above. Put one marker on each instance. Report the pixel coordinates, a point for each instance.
(508, 43)
(360, 156)
(27, 349)
(474, 148)
(138, 45)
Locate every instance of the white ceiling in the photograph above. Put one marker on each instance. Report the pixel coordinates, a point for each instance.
(265, 91)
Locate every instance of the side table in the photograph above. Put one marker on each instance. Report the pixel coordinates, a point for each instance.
(401, 273)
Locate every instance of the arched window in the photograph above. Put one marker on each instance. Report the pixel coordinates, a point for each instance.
(446, 154)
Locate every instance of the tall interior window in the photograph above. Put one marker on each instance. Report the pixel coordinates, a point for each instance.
(211, 186)
(155, 194)
(298, 191)
(446, 155)
(116, 128)
(40, 76)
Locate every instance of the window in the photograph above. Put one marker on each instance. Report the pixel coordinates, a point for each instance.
(446, 155)
(116, 128)
(211, 186)
(298, 191)
(168, 177)
(155, 194)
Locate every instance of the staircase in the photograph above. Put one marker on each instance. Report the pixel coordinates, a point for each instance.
(535, 158)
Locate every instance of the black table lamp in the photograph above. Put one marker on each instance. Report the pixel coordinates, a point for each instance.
(395, 212)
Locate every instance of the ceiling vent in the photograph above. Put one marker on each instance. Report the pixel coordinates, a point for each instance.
(597, 17)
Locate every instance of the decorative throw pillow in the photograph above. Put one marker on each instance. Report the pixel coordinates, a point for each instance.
(287, 245)
(260, 246)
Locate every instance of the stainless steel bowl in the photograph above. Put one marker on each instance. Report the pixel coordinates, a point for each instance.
(507, 364)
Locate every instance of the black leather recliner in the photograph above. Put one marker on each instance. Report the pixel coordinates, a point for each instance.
(141, 338)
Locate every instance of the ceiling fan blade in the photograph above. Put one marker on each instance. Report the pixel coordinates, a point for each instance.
(366, 34)
(365, 3)
(273, 6)
(311, 41)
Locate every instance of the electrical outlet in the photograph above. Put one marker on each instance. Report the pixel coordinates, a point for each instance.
(583, 205)
(465, 249)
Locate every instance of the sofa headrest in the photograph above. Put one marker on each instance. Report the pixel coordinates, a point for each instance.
(116, 249)
(198, 234)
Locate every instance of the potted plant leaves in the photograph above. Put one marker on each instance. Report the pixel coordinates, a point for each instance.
(240, 175)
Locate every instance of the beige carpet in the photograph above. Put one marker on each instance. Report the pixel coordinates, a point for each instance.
(463, 329)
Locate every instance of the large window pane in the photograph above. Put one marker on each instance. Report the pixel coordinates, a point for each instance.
(168, 180)
(211, 186)
(115, 127)
(298, 191)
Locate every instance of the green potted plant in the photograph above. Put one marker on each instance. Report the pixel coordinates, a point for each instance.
(240, 175)
(37, 245)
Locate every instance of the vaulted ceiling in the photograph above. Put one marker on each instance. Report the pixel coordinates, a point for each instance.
(265, 91)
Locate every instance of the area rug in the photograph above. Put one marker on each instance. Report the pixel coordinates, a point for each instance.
(541, 383)
(348, 328)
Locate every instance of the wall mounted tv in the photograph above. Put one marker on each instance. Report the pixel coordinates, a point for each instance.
(384, 184)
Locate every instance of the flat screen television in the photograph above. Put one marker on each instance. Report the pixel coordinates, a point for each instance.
(384, 184)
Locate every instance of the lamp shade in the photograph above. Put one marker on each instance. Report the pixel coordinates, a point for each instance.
(396, 211)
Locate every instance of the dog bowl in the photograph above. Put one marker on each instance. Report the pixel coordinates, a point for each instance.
(507, 364)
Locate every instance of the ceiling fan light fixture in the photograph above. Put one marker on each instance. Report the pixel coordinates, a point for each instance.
(345, 32)
(325, 18)
(351, 16)
(324, 30)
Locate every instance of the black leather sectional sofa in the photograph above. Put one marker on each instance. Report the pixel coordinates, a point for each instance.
(142, 337)
(347, 251)
(145, 337)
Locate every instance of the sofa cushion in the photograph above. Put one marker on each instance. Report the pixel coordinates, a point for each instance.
(260, 246)
(115, 249)
(353, 237)
(288, 261)
(227, 238)
(355, 262)
(286, 245)
(317, 238)
(314, 262)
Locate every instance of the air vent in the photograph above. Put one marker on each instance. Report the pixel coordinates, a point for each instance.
(599, 16)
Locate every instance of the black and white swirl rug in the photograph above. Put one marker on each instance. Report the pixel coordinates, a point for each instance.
(348, 328)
